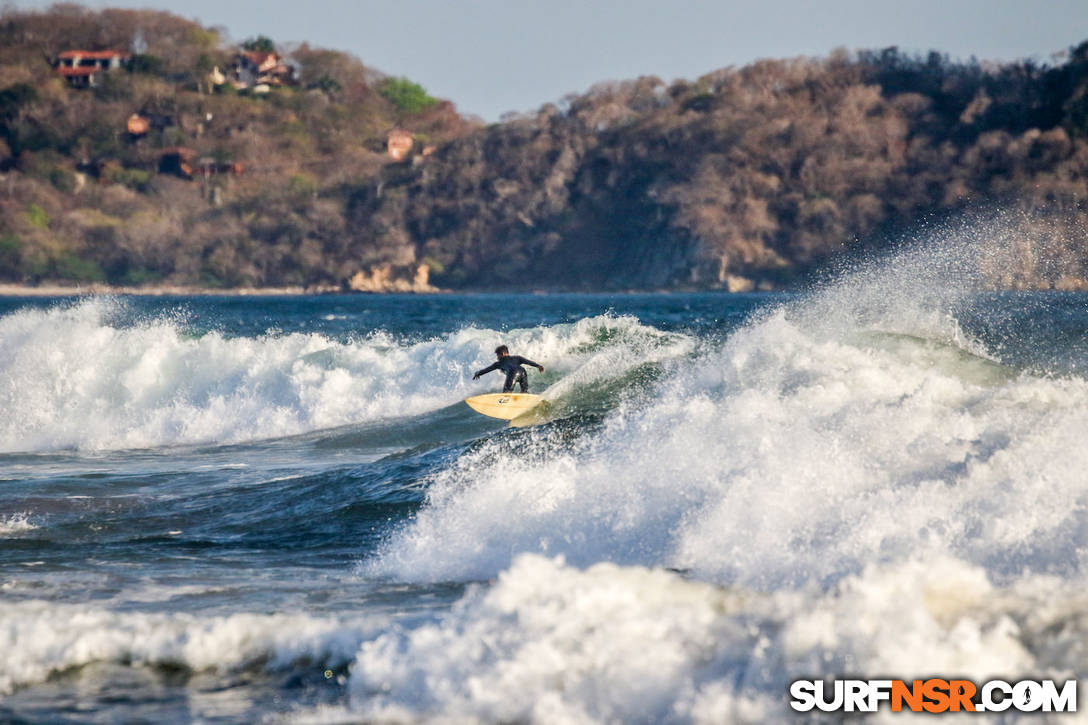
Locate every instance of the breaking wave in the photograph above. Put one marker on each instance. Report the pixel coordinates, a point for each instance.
(854, 482)
(40, 638)
(549, 643)
(78, 380)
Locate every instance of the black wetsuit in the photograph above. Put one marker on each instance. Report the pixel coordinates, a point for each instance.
(515, 373)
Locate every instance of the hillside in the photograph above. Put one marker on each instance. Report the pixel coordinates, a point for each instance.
(177, 167)
(752, 177)
(221, 185)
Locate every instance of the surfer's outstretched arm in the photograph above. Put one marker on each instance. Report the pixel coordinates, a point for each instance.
(527, 361)
(485, 371)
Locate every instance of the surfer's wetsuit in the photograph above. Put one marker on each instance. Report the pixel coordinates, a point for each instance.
(515, 373)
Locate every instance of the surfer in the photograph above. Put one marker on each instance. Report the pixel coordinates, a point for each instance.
(512, 366)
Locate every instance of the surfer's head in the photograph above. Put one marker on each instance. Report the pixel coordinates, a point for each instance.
(502, 351)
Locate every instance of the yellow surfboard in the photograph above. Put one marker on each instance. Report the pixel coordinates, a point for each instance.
(506, 406)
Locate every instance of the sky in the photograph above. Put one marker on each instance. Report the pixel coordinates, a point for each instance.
(491, 57)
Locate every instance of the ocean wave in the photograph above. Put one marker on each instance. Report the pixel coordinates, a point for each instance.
(861, 424)
(548, 642)
(780, 457)
(551, 643)
(79, 381)
(41, 638)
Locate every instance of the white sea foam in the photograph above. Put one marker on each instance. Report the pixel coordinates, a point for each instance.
(860, 486)
(16, 524)
(783, 456)
(548, 643)
(859, 425)
(551, 643)
(38, 638)
(78, 381)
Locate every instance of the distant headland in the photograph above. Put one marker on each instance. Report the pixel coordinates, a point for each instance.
(139, 152)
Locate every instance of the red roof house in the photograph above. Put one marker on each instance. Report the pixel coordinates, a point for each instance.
(84, 68)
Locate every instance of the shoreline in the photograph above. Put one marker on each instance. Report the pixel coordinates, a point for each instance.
(55, 290)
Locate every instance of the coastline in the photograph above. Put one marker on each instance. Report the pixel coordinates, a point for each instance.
(56, 290)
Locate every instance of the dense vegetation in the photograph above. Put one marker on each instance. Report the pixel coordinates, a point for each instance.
(753, 176)
(745, 177)
(82, 199)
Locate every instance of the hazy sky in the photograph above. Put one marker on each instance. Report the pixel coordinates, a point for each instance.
(493, 56)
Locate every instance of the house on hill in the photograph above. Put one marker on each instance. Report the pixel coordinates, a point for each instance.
(85, 68)
(183, 162)
(139, 124)
(253, 68)
(398, 143)
(177, 161)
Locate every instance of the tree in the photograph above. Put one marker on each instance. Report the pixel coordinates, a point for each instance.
(151, 65)
(13, 100)
(406, 96)
(260, 44)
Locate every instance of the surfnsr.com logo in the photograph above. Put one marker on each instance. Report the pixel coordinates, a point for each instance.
(934, 695)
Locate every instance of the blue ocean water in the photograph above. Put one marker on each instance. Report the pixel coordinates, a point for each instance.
(124, 491)
(240, 509)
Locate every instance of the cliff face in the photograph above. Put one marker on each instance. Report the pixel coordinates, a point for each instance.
(541, 203)
(746, 178)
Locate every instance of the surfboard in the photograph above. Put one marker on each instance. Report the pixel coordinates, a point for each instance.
(506, 406)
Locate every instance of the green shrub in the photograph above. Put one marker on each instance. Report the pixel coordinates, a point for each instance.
(38, 217)
(174, 136)
(35, 265)
(102, 139)
(41, 164)
(62, 179)
(302, 184)
(69, 266)
(14, 98)
(139, 276)
(260, 44)
(151, 65)
(135, 179)
(204, 63)
(207, 38)
(10, 256)
(208, 278)
(328, 84)
(435, 266)
(406, 96)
